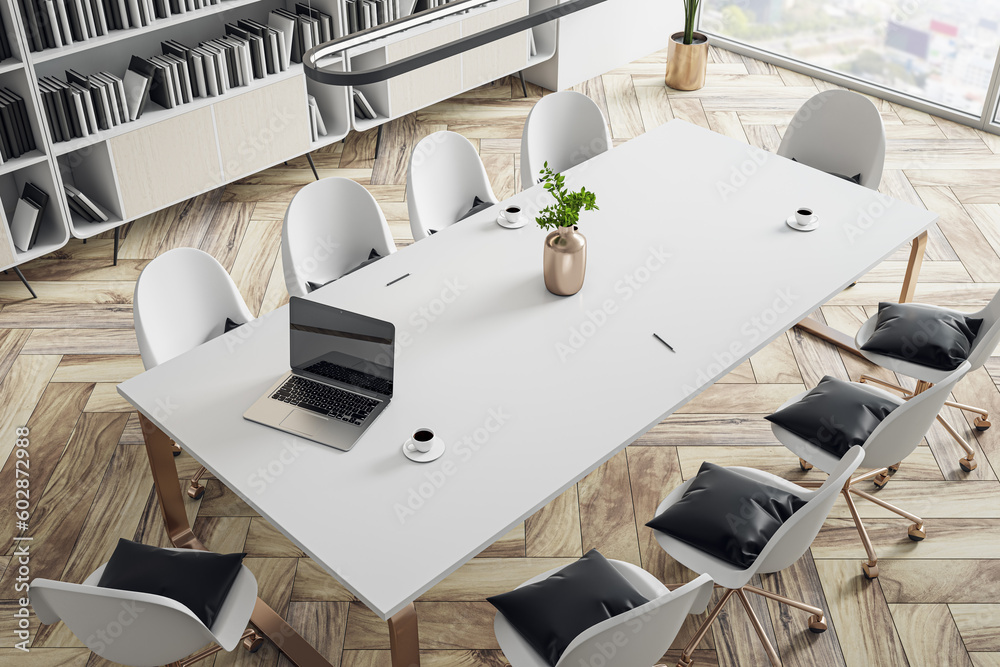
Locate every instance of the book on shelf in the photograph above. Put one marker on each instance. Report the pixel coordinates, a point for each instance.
(316, 124)
(16, 136)
(361, 106)
(83, 205)
(27, 220)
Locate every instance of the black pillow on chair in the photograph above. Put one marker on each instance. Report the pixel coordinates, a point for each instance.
(199, 580)
(372, 257)
(856, 179)
(835, 415)
(727, 515)
(477, 206)
(551, 613)
(923, 335)
(230, 325)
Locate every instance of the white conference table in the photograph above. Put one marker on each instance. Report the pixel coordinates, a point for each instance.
(530, 391)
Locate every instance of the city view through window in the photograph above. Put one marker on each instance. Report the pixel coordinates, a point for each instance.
(943, 52)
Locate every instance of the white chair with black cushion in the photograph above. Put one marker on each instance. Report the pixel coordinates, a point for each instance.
(734, 523)
(839, 132)
(445, 182)
(332, 227)
(182, 299)
(579, 613)
(149, 606)
(821, 424)
(925, 343)
(563, 129)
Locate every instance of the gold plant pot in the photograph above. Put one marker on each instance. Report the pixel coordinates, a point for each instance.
(565, 261)
(687, 63)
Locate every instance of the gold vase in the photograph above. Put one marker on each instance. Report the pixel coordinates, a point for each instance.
(565, 261)
(687, 63)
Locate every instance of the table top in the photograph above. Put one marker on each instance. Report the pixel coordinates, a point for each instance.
(530, 391)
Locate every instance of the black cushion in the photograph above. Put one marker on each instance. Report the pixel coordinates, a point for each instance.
(372, 257)
(199, 580)
(551, 613)
(727, 514)
(835, 415)
(230, 325)
(853, 179)
(477, 206)
(923, 335)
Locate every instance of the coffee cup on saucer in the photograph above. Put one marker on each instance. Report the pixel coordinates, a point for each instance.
(804, 216)
(423, 446)
(512, 214)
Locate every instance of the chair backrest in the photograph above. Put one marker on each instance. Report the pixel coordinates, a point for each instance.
(642, 635)
(900, 433)
(839, 132)
(331, 226)
(139, 629)
(989, 334)
(797, 534)
(443, 179)
(563, 129)
(181, 300)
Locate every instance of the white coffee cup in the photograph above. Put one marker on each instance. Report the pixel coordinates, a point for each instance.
(512, 214)
(422, 440)
(804, 216)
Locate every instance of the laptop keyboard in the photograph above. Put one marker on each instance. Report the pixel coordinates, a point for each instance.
(351, 377)
(326, 400)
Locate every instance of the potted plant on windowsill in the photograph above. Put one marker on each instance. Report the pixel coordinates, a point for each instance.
(687, 54)
(564, 262)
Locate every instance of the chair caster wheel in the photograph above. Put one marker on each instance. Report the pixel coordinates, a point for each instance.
(968, 464)
(871, 571)
(982, 424)
(893, 469)
(805, 465)
(176, 451)
(817, 624)
(196, 491)
(685, 662)
(880, 481)
(253, 643)
(916, 533)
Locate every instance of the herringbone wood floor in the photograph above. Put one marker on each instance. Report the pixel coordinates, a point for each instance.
(936, 603)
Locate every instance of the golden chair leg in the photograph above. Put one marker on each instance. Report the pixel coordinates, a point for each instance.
(870, 567)
(915, 532)
(968, 463)
(982, 421)
(772, 655)
(805, 465)
(196, 489)
(686, 659)
(868, 379)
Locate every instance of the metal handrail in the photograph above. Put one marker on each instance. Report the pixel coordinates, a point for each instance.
(416, 61)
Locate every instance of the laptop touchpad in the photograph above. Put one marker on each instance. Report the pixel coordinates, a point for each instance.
(304, 422)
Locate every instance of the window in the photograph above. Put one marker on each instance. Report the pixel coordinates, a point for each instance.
(941, 51)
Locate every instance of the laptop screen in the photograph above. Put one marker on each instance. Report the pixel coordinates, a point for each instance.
(328, 343)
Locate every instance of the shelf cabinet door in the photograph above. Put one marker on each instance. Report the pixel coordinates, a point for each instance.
(425, 85)
(492, 61)
(262, 127)
(167, 162)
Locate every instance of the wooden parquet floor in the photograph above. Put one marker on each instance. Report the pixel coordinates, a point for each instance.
(936, 603)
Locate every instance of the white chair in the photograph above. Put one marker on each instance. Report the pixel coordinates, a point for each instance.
(443, 179)
(893, 440)
(982, 347)
(182, 299)
(785, 547)
(839, 132)
(330, 227)
(563, 129)
(146, 630)
(648, 630)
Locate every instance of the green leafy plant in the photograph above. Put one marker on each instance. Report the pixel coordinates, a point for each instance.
(566, 211)
(690, 15)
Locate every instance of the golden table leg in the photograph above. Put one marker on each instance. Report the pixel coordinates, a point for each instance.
(845, 342)
(159, 451)
(403, 639)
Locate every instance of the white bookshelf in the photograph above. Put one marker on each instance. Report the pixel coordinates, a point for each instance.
(169, 155)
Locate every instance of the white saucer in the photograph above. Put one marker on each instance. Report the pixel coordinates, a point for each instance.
(502, 221)
(437, 449)
(790, 221)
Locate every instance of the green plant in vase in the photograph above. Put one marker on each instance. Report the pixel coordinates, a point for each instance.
(565, 258)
